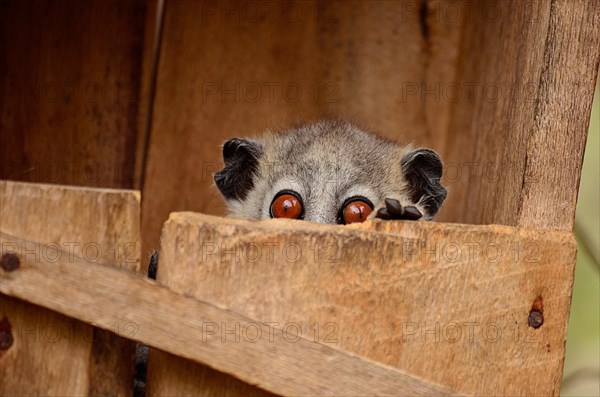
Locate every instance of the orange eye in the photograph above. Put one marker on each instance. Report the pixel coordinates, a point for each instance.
(356, 211)
(286, 205)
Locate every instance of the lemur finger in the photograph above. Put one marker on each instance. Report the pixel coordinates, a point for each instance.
(393, 206)
(412, 213)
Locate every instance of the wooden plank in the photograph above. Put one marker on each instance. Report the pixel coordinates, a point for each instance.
(101, 225)
(183, 326)
(517, 143)
(562, 117)
(447, 302)
(70, 82)
(235, 68)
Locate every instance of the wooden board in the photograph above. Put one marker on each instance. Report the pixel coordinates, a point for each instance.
(59, 355)
(235, 68)
(181, 325)
(70, 90)
(516, 146)
(447, 302)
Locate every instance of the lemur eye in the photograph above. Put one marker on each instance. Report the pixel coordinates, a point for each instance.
(287, 204)
(355, 209)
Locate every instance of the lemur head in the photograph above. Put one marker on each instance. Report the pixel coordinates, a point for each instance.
(328, 172)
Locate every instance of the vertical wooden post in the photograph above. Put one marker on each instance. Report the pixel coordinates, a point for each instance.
(517, 147)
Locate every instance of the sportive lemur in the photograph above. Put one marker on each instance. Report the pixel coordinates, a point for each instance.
(329, 172)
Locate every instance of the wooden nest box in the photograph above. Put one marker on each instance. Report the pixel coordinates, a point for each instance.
(475, 303)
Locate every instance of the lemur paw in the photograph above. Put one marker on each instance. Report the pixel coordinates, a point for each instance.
(394, 210)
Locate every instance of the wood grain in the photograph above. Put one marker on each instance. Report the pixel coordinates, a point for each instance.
(517, 144)
(180, 324)
(59, 355)
(236, 68)
(70, 78)
(152, 40)
(447, 302)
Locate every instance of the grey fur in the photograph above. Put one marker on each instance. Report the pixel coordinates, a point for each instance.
(327, 163)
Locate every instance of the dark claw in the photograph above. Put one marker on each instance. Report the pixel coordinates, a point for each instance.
(393, 210)
(412, 213)
(383, 214)
(394, 206)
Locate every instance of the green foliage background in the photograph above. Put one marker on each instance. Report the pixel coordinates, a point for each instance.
(582, 362)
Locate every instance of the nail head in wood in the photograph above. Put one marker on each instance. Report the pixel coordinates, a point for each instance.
(536, 314)
(9, 262)
(536, 319)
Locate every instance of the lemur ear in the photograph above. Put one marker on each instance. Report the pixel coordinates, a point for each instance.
(241, 157)
(422, 169)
